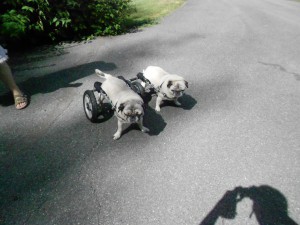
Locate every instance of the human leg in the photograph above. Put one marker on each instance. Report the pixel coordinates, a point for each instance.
(7, 78)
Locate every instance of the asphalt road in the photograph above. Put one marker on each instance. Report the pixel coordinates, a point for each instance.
(239, 125)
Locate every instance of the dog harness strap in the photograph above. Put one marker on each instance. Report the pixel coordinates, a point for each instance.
(114, 106)
(116, 112)
(157, 89)
(117, 115)
(161, 85)
(166, 96)
(127, 82)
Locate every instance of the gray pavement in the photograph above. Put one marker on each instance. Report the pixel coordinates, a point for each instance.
(239, 125)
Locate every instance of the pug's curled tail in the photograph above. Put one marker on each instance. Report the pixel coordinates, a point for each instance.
(101, 74)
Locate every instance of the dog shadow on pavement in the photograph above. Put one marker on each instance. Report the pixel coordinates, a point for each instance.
(152, 120)
(269, 206)
(187, 102)
(57, 80)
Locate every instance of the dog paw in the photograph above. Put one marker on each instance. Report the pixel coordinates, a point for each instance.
(116, 136)
(145, 130)
(177, 103)
(157, 109)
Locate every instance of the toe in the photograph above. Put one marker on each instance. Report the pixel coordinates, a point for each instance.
(21, 105)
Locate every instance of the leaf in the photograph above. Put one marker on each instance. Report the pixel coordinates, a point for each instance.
(28, 8)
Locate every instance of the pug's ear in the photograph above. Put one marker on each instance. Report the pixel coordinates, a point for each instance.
(169, 84)
(121, 107)
(186, 84)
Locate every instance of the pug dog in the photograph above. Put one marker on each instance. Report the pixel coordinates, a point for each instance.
(168, 86)
(128, 105)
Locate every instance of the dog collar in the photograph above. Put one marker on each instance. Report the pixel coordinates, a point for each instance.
(166, 96)
(117, 113)
(121, 118)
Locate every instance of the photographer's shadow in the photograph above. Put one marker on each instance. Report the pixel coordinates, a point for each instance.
(269, 206)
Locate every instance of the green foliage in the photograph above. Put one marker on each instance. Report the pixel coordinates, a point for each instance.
(56, 20)
(113, 12)
(14, 24)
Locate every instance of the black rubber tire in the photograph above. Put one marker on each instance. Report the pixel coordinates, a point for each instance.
(90, 106)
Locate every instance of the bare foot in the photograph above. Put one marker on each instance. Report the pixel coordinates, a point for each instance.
(21, 101)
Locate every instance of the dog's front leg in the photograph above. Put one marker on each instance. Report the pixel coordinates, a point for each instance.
(158, 102)
(117, 135)
(143, 129)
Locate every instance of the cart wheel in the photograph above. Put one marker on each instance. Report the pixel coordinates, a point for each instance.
(139, 88)
(90, 106)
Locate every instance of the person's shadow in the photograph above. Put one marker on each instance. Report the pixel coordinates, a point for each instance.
(54, 81)
(269, 206)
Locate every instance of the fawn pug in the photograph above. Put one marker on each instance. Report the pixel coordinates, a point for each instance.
(128, 105)
(168, 86)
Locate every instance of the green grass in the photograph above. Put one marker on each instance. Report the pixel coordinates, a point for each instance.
(149, 12)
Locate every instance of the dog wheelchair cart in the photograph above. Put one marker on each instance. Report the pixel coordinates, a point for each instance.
(95, 101)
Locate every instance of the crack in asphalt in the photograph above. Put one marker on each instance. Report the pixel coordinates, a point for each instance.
(281, 68)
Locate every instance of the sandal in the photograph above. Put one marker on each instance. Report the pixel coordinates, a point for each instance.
(19, 99)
